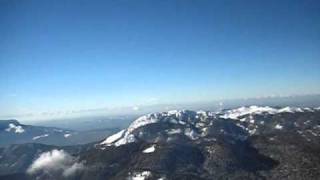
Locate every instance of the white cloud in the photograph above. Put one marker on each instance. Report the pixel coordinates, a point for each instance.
(55, 163)
(17, 129)
(73, 169)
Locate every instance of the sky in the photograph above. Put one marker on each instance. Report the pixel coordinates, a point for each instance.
(72, 55)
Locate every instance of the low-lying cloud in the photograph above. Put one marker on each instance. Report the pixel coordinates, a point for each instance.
(54, 164)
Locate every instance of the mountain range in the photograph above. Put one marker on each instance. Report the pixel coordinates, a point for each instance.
(13, 132)
(251, 142)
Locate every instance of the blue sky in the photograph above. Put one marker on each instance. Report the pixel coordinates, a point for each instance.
(70, 55)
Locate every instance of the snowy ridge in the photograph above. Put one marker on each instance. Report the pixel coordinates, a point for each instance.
(113, 137)
(242, 111)
(126, 136)
(195, 124)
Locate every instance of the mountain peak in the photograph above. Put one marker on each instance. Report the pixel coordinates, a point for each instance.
(11, 123)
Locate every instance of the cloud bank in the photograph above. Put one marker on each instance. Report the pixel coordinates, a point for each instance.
(54, 164)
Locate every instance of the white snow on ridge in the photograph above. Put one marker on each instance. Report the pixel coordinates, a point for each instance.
(113, 137)
(128, 138)
(286, 109)
(184, 118)
(174, 131)
(242, 111)
(290, 110)
(125, 136)
(252, 131)
(17, 129)
(278, 126)
(236, 113)
(191, 134)
(150, 149)
(140, 176)
(308, 109)
(142, 121)
(67, 135)
(203, 113)
(173, 112)
(41, 136)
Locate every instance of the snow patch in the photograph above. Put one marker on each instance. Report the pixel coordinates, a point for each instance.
(278, 126)
(142, 121)
(67, 135)
(191, 134)
(140, 176)
(41, 136)
(202, 113)
(174, 131)
(182, 122)
(125, 140)
(174, 112)
(126, 136)
(150, 149)
(252, 131)
(113, 137)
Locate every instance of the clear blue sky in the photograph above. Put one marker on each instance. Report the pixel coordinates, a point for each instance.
(69, 55)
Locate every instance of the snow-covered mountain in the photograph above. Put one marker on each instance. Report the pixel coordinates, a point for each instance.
(197, 124)
(13, 132)
(250, 142)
